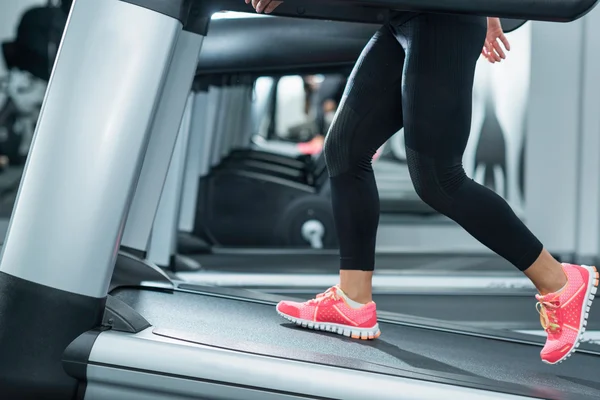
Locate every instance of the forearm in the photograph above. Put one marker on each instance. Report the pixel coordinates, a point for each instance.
(493, 21)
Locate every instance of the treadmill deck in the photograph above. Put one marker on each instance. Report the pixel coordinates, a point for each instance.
(251, 324)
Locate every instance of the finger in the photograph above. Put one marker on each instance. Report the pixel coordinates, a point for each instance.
(489, 51)
(505, 42)
(492, 52)
(247, 1)
(272, 6)
(262, 4)
(486, 55)
(498, 49)
(254, 3)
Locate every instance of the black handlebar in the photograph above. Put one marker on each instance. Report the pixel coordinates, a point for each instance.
(378, 10)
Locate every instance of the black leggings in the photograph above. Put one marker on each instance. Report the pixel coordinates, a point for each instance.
(416, 72)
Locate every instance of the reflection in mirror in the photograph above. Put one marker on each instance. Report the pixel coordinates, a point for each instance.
(28, 53)
(296, 109)
(295, 112)
(500, 94)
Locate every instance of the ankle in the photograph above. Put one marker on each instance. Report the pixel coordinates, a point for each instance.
(358, 296)
(547, 274)
(357, 285)
(552, 285)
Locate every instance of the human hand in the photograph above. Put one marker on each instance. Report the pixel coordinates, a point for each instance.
(330, 106)
(492, 49)
(266, 6)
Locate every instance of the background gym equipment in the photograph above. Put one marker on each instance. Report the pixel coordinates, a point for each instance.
(252, 197)
(249, 184)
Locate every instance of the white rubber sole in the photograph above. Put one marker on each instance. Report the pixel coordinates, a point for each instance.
(585, 312)
(344, 330)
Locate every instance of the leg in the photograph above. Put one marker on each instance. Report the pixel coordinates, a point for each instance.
(369, 114)
(441, 56)
(437, 130)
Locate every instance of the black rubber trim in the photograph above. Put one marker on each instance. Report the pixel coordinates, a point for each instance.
(77, 354)
(460, 378)
(121, 317)
(177, 9)
(37, 323)
(196, 23)
(193, 15)
(390, 318)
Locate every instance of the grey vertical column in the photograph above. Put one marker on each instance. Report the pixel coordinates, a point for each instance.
(164, 231)
(90, 141)
(192, 162)
(553, 135)
(588, 232)
(199, 157)
(209, 144)
(234, 113)
(77, 187)
(243, 136)
(208, 129)
(221, 122)
(164, 133)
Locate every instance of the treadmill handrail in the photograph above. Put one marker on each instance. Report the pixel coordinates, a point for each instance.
(378, 10)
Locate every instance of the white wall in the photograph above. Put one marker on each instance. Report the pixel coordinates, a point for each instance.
(553, 134)
(563, 143)
(10, 14)
(588, 234)
(508, 84)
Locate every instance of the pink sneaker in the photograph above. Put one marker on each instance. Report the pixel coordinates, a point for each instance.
(330, 312)
(564, 314)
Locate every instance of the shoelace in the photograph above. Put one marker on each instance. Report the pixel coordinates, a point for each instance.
(328, 294)
(548, 318)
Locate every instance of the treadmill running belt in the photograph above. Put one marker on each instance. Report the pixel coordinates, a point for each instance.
(255, 325)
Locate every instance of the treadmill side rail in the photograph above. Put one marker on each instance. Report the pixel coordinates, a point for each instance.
(146, 363)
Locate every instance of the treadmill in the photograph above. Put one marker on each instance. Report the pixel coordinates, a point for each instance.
(63, 337)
